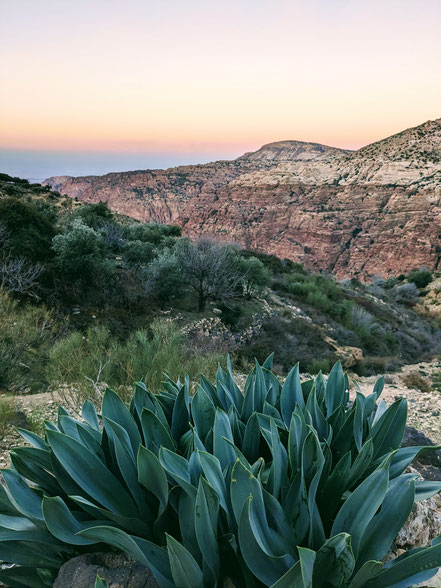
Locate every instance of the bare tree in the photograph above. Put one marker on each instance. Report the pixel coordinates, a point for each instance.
(19, 276)
(210, 269)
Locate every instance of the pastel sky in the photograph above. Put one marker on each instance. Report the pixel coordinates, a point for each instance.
(159, 82)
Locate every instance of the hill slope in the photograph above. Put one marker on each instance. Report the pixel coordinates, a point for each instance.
(372, 211)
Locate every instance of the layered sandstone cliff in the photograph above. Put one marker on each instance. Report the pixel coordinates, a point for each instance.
(372, 211)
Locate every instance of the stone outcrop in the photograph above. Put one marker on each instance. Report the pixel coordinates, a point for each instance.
(117, 569)
(372, 211)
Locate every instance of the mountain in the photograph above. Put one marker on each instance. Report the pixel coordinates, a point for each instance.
(360, 213)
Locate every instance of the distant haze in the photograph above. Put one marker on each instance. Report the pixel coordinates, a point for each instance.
(196, 80)
(38, 165)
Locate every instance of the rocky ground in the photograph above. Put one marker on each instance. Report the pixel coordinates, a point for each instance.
(424, 406)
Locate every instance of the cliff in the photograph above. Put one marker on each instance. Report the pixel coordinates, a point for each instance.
(371, 211)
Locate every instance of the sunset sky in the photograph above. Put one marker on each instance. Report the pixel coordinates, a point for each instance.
(90, 86)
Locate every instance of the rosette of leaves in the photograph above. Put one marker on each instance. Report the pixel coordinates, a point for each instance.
(290, 485)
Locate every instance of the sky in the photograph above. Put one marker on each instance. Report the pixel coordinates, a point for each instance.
(91, 86)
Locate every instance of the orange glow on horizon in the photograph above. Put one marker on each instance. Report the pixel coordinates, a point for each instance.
(201, 77)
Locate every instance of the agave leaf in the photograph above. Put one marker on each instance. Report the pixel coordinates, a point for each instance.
(388, 431)
(297, 435)
(88, 412)
(251, 438)
(384, 527)
(185, 571)
(210, 390)
(26, 577)
(180, 415)
(222, 431)
(334, 562)
(142, 550)
(62, 524)
(203, 412)
(205, 522)
(115, 409)
(213, 473)
(405, 455)
(368, 571)
(13, 528)
(89, 472)
(134, 525)
(334, 488)
(177, 468)
(152, 476)
(100, 583)
(35, 440)
(296, 508)
(358, 510)
(318, 420)
(243, 486)
(25, 500)
(186, 515)
(276, 470)
(128, 465)
(291, 394)
(335, 388)
(406, 571)
(268, 568)
(273, 386)
(361, 463)
(31, 554)
(381, 409)
(378, 387)
(426, 489)
(268, 363)
(30, 469)
(358, 421)
(156, 435)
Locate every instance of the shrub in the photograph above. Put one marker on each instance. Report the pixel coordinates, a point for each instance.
(30, 231)
(416, 380)
(407, 294)
(255, 275)
(7, 412)
(421, 278)
(86, 362)
(275, 485)
(26, 335)
(78, 253)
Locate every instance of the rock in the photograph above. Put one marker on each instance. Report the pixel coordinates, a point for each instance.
(118, 570)
(427, 465)
(349, 213)
(217, 311)
(348, 355)
(423, 525)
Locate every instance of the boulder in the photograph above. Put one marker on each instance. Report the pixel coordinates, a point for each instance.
(428, 465)
(117, 569)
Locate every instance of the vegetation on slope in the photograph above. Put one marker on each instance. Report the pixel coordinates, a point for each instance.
(87, 296)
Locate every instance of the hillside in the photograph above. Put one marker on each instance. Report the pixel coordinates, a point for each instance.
(372, 211)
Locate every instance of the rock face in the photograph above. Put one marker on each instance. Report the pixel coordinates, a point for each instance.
(372, 211)
(116, 569)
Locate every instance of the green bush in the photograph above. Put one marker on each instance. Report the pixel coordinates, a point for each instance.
(86, 361)
(274, 485)
(30, 231)
(26, 336)
(78, 254)
(421, 278)
(7, 412)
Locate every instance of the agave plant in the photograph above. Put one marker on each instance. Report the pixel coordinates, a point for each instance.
(287, 485)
